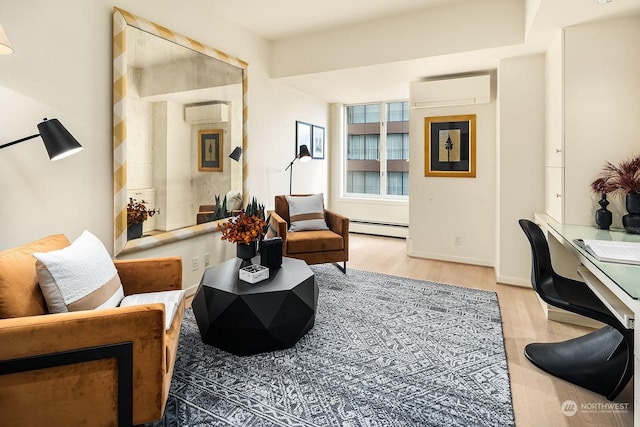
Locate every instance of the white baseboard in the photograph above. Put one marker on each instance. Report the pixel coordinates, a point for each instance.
(516, 281)
(191, 290)
(460, 260)
(378, 229)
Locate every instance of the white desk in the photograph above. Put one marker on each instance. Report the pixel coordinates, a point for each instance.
(617, 285)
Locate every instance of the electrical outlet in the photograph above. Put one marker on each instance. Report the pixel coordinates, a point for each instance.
(458, 241)
(206, 259)
(195, 263)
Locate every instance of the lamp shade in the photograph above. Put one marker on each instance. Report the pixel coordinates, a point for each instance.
(57, 140)
(304, 154)
(5, 44)
(236, 153)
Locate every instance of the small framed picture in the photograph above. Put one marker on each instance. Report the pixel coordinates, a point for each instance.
(303, 136)
(450, 146)
(210, 150)
(317, 136)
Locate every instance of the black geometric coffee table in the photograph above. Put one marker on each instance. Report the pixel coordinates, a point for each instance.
(243, 319)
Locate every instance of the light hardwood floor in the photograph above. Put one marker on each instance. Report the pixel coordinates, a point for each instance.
(537, 397)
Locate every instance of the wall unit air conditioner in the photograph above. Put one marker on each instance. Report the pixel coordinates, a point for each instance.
(210, 113)
(445, 93)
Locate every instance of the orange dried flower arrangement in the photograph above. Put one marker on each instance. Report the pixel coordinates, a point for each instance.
(243, 228)
(138, 212)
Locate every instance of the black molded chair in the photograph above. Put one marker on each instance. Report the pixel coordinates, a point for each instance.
(601, 361)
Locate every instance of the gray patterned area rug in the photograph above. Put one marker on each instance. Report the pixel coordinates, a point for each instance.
(384, 351)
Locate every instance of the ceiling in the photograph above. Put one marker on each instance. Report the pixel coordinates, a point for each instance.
(278, 19)
(281, 19)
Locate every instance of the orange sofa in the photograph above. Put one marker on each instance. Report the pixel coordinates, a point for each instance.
(316, 246)
(95, 367)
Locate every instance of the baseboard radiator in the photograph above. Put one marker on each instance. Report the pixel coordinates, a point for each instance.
(378, 228)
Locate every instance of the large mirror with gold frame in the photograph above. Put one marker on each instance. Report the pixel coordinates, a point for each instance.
(177, 105)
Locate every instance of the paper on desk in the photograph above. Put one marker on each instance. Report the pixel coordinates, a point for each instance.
(612, 251)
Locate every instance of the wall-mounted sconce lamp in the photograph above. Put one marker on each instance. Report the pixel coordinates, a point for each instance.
(5, 44)
(57, 140)
(304, 157)
(236, 153)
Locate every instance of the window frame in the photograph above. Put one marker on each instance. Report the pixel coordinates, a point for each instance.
(382, 151)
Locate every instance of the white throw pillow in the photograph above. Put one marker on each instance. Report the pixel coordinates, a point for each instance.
(170, 299)
(306, 213)
(81, 276)
(234, 201)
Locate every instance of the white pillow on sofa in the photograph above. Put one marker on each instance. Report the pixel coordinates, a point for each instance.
(170, 299)
(306, 213)
(81, 276)
(234, 200)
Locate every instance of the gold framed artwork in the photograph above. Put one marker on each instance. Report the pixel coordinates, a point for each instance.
(210, 150)
(450, 146)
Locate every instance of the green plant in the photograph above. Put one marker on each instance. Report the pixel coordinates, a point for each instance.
(619, 179)
(221, 208)
(137, 212)
(255, 209)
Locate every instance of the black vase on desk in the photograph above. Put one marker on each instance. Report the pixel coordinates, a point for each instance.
(631, 221)
(603, 215)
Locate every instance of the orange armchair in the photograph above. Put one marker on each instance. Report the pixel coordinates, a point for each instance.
(95, 367)
(314, 246)
(205, 213)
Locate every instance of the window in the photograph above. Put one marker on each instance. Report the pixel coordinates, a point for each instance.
(377, 149)
(364, 113)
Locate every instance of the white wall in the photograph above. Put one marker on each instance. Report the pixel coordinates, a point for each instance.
(413, 35)
(139, 145)
(277, 133)
(591, 107)
(176, 146)
(554, 143)
(531, 7)
(62, 68)
(602, 107)
(520, 181)
(554, 101)
(442, 209)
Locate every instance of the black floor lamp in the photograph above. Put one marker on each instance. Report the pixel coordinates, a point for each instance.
(304, 157)
(57, 140)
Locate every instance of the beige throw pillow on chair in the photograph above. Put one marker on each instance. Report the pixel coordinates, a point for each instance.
(306, 213)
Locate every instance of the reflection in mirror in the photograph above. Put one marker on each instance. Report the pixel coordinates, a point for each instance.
(179, 111)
